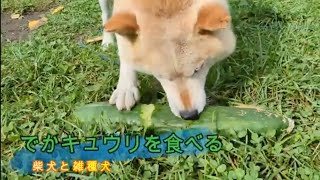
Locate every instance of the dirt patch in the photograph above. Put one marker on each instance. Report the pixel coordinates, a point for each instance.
(17, 29)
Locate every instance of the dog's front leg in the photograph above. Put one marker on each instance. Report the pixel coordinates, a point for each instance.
(127, 94)
(107, 37)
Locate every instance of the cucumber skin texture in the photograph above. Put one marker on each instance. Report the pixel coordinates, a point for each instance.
(220, 119)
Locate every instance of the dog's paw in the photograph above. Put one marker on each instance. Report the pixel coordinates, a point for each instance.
(105, 45)
(125, 99)
(106, 41)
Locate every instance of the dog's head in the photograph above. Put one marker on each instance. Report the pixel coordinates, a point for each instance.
(176, 43)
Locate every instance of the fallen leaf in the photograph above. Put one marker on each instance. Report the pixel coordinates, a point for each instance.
(15, 16)
(94, 39)
(37, 23)
(57, 9)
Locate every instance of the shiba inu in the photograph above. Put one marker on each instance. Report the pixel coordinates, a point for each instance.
(176, 41)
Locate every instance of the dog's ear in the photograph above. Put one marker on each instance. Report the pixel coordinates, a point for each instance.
(122, 23)
(212, 17)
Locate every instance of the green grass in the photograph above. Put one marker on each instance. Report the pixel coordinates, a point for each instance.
(21, 6)
(276, 65)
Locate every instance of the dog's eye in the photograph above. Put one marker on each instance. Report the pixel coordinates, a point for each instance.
(205, 32)
(198, 69)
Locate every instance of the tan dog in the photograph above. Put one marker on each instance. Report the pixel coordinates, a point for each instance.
(176, 41)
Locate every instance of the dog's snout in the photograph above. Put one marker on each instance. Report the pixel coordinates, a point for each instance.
(190, 115)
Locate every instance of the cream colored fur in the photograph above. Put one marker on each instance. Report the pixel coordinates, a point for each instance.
(176, 41)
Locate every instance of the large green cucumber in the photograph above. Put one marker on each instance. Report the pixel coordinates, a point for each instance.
(159, 117)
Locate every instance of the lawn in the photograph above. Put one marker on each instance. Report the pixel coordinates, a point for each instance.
(276, 66)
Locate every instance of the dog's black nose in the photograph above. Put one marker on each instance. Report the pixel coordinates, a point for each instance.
(189, 115)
